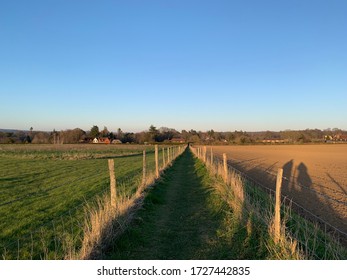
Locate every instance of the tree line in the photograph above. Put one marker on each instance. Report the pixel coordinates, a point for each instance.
(164, 134)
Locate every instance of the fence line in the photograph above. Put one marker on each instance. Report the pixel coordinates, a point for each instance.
(306, 187)
(328, 229)
(291, 201)
(314, 217)
(48, 239)
(272, 192)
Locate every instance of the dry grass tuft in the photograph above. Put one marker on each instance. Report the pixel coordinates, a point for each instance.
(250, 212)
(105, 223)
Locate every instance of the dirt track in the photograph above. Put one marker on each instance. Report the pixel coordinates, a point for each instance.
(316, 174)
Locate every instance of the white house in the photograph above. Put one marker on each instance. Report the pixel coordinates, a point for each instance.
(116, 141)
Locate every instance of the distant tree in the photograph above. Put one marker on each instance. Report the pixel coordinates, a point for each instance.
(20, 137)
(140, 137)
(210, 134)
(5, 138)
(301, 138)
(153, 129)
(119, 134)
(105, 132)
(230, 136)
(54, 136)
(41, 138)
(219, 136)
(153, 132)
(72, 136)
(193, 132)
(165, 133)
(194, 138)
(185, 135)
(27, 139)
(94, 131)
(128, 138)
(30, 136)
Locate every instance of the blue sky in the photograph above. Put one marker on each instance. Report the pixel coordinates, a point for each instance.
(222, 65)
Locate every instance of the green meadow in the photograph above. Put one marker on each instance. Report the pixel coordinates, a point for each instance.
(44, 190)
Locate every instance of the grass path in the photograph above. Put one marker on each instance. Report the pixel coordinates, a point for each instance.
(181, 219)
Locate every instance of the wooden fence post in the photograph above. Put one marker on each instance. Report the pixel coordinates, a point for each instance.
(156, 162)
(211, 157)
(144, 167)
(225, 164)
(168, 155)
(278, 205)
(205, 154)
(112, 182)
(163, 157)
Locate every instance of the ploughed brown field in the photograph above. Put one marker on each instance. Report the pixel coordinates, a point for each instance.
(316, 175)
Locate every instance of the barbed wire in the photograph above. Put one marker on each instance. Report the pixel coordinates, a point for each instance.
(313, 217)
(292, 179)
(284, 198)
(312, 189)
(292, 182)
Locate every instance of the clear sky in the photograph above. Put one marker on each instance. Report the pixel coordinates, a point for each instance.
(222, 65)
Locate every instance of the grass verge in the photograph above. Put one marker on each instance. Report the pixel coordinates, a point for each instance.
(189, 214)
(107, 221)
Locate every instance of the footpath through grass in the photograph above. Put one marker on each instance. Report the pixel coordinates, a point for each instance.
(185, 218)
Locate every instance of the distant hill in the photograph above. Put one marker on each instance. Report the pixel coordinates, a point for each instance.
(12, 130)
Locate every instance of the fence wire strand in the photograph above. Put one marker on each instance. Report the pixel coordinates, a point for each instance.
(46, 240)
(329, 230)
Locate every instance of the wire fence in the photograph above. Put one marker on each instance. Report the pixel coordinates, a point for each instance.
(318, 238)
(61, 233)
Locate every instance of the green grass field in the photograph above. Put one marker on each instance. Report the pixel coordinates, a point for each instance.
(44, 188)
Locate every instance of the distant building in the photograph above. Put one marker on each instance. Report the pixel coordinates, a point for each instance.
(177, 140)
(328, 137)
(116, 141)
(340, 137)
(275, 141)
(102, 140)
